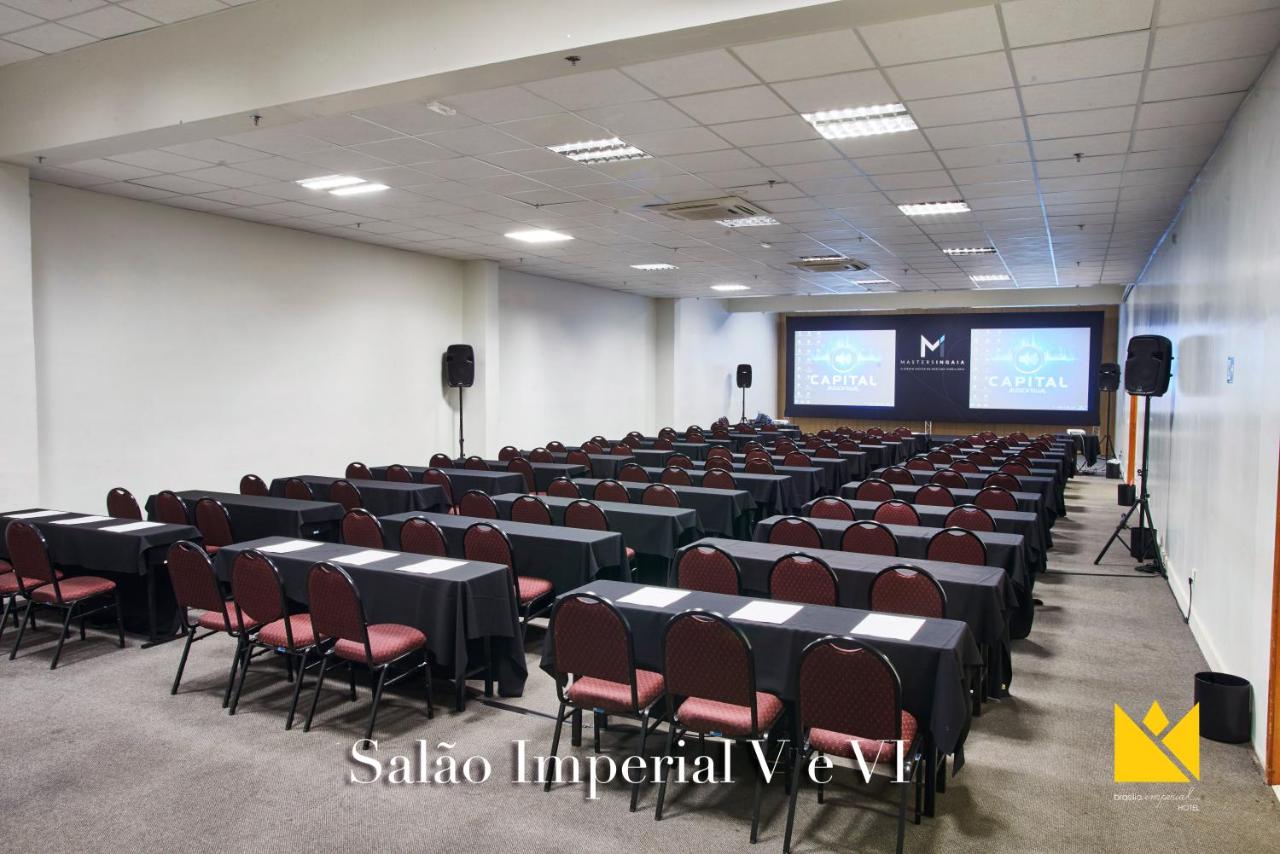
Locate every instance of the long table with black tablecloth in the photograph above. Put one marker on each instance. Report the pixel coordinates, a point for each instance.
(808, 480)
(543, 473)
(567, 557)
(980, 596)
(379, 497)
(1043, 486)
(255, 516)
(602, 465)
(462, 481)
(774, 492)
(831, 471)
(720, 511)
(646, 528)
(692, 450)
(461, 608)
(1027, 502)
(1058, 482)
(86, 548)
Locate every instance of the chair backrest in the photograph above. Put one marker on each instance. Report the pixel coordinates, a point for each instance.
(719, 452)
(695, 436)
(970, 517)
(122, 505)
(1032, 452)
(907, 589)
(611, 490)
(831, 508)
(599, 440)
(875, 431)
(706, 656)
(874, 489)
(795, 458)
(759, 465)
(508, 452)
(938, 456)
(334, 604)
(258, 591)
(251, 484)
(718, 478)
(483, 541)
(478, 504)
(361, 528)
(919, 464)
(871, 439)
(756, 454)
(524, 468)
(661, 495)
(662, 443)
(541, 455)
(849, 687)
(826, 434)
(531, 509)
(590, 637)
(171, 509)
(29, 555)
(667, 433)
(1019, 436)
(1004, 480)
(995, 498)
(825, 452)
(951, 448)
(848, 445)
(345, 493)
(397, 473)
(902, 431)
(194, 583)
(592, 448)
(423, 537)
(869, 538)
(622, 450)
(676, 476)
(683, 462)
(629, 442)
(298, 489)
(795, 531)
(709, 569)
(899, 475)
(1017, 469)
(475, 463)
(562, 487)
(962, 466)
(980, 458)
(934, 495)
(957, 545)
(213, 522)
(896, 512)
(578, 458)
(633, 473)
(950, 478)
(583, 514)
(557, 447)
(441, 461)
(784, 446)
(358, 471)
(441, 479)
(799, 577)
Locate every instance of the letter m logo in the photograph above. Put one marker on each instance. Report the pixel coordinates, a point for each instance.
(927, 346)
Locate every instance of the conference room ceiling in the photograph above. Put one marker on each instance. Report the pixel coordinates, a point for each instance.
(1072, 131)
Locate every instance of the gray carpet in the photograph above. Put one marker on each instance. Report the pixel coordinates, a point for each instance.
(127, 767)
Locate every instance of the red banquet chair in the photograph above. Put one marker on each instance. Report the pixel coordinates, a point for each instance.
(826, 452)
(298, 489)
(541, 455)
(962, 466)
(956, 545)
(995, 498)
(796, 458)
(799, 577)
(214, 524)
(423, 537)
(622, 449)
(632, 473)
(507, 453)
(907, 589)
(484, 542)
(612, 490)
(718, 478)
(440, 461)
(358, 471)
(345, 493)
(397, 473)
(588, 516)
(899, 475)
(869, 538)
(362, 529)
(759, 465)
(196, 586)
(251, 484)
(874, 489)
(676, 476)
(831, 508)
(436, 477)
(478, 504)
(1015, 469)
(337, 615)
(475, 463)
(659, 495)
(1004, 480)
(578, 458)
(122, 505)
(170, 509)
(919, 464)
(556, 447)
(562, 487)
(683, 462)
(938, 456)
(524, 468)
(951, 478)
(594, 665)
(795, 531)
(971, 518)
(709, 569)
(896, 512)
(531, 509)
(934, 495)
(662, 443)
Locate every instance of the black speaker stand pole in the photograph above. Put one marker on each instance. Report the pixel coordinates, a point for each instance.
(1142, 506)
(462, 453)
(744, 404)
(1108, 446)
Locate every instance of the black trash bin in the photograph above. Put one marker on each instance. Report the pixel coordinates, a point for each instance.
(1224, 707)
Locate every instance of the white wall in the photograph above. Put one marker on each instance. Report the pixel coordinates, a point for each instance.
(1215, 294)
(180, 350)
(19, 469)
(710, 343)
(576, 360)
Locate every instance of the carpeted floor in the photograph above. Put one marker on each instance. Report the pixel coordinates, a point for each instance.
(99, 757)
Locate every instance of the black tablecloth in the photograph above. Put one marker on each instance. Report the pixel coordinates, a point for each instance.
(719, 510)
(776, 492)
(543, 473)
(255, 516)
(465, 603)
(692, 450)
(567, 557)
(645, 528)
(820, 478)
(980, 596)
(934, 666)
(602, 465)
(1044, 486)
(464, 480)
(1028, 502)
(379, 497)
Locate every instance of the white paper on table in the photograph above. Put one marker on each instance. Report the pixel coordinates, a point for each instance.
(37, 514)
(766, 612)
(430, 567)
(368, 556)
(889, 626)
(83, 520)
(132, 526)
(288, 546)
(656, 597)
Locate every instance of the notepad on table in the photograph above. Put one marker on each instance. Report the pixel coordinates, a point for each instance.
(368, 556)
(83, 520)
(37, 514)
(288, 546)
(766, 612)
(655, 597)
(889, 626)
(132, 526)
(430, 567)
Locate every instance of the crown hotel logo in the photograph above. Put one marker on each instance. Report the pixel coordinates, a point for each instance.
(1155, 752)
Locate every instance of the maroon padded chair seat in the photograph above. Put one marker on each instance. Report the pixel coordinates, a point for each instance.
(213, 620)
(531, 588)
(588, 692)
(273, 633)
(841, 744)
(701, 715)
(74, 589)
(387, 641)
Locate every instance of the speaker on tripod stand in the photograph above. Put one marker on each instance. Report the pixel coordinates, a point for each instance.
(1108, 385)
(744, 383)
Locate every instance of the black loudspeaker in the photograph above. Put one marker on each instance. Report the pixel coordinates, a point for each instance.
(460, 365)
(1147, 365)
(744, 376)
(1108, 376)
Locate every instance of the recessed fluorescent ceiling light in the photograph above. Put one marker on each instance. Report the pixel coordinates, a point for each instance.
(992, 277)
(931, 208)
(330, 182)
(599, 151)
(819, 259)
(359, 189)
(727, 288)
(745, 221)
(861, 121)
(969, 250)
(654, 267)
(538, 235)
(871, 282)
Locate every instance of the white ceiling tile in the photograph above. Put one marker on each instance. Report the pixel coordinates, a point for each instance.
(504, 104)
(49, 38)
(109, 22)
(889, 143)
(767, 131)
(805, 56)
(1187, 111)
(935, 36)
(638, 117)
(794, 152)
(680, 141)
(952, 76)
(178, 184)
(697, 72)
(405, 151)
(215, 151)
(169, 11)
(590, 89)
(51, 10)
(1106, 143)
(280, 168)
(111, 169)
(1209, 78)
(1177, 137)
(713, 161)
(160, 161)
(854, 89)
(241, 198)
(554, 129)
(133, 191)
(1164, 157)
(478, 139)
(284, 141)
(1223, 38)
(961, 109)
(342, 130)
(459, 169)
(977, 134)
(1050, 63)
(1030, 22)
(67, 177)
(527, 160)
(12, 19)
(339, 160)
(1090, 94)
(1184, 11)
(733, 105)
(226, 176)
(414, 119)
(1066, 167)
(1054, 125)
(572, 177)
(10, 53)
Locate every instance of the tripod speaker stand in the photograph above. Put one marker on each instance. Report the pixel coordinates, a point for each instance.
(1108, 424)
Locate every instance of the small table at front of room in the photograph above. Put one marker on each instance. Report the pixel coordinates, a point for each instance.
(461, 609)
(136, 553)
(379, 497)
(648, 529)
(256, 516)
(720, 511)
(465, 480)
